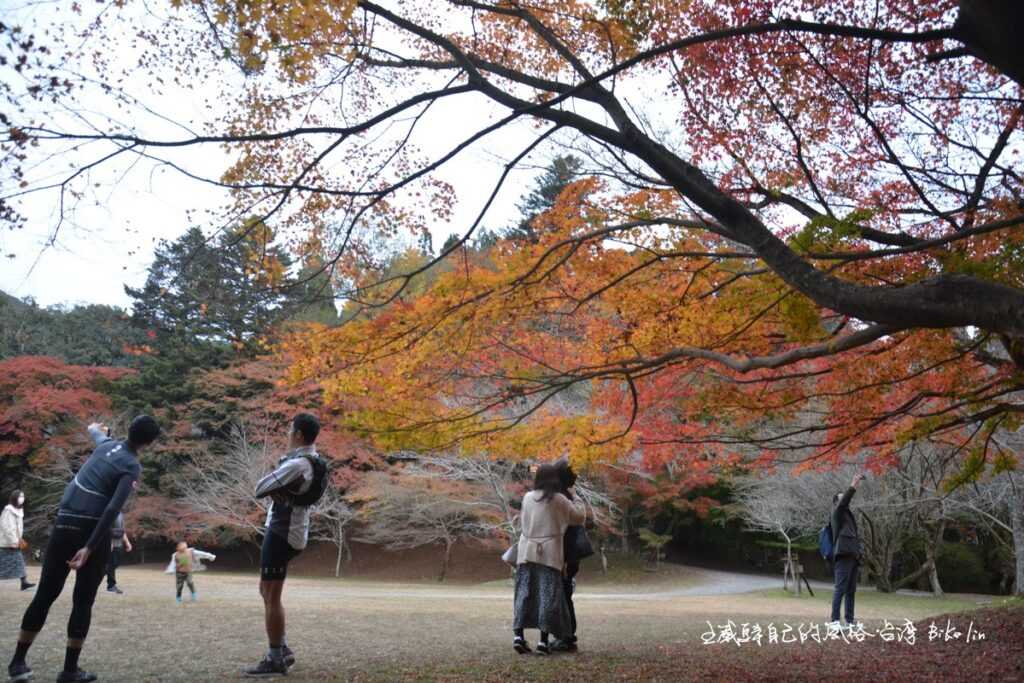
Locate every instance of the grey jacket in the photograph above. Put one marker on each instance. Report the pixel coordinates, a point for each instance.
(845, 539)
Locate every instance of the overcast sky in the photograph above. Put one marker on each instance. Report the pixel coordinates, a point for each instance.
(107, 240)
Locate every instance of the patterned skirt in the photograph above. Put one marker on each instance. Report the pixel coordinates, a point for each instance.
(12, 563)
(540, 600)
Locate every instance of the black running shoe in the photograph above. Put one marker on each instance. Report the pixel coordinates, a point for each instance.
(19, 672)
(289, 656)
(521, 646)
(25, 586)
(115, 589)
(76, 676)
(543, 649)
(268, 667)
(564, 646)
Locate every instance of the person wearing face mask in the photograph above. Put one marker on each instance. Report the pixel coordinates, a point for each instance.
(12, 526)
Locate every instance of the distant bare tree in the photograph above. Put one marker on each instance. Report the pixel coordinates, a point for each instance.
(50, 479)
(220, 488)
(907, 502)
(330, 521)
(400, 513)
(769, 504)
(500, 482)
(504, 481)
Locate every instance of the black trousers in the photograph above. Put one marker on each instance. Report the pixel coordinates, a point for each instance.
(569, 584)
(112, 564)
(68, 536)
(846, 570)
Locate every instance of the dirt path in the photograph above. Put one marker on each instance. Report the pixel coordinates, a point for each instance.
(698, 583)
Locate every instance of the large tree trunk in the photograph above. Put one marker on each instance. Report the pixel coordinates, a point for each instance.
(879, 554)
(911, 577)
(946, 300)
(933, 577)
(1017, 523)
(932, 544)
(991, 30)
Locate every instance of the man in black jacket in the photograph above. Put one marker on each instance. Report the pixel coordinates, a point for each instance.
(567, 479)
(80, 540)
(846, 551)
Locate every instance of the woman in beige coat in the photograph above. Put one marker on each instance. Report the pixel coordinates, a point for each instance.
(540, 600)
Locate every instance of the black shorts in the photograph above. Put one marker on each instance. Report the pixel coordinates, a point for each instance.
(275, 555)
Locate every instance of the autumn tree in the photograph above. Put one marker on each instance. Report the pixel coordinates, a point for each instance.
(45, 405)
(785, 207)
(655, 542)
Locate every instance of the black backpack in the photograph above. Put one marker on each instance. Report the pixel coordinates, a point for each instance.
(321, 480)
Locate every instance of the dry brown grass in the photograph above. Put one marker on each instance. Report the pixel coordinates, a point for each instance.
(344, 630)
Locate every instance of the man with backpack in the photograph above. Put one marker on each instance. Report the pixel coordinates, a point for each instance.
(298, 483)
(845, 551)
(575, 547)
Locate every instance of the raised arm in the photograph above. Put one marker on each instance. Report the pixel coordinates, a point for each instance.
(98, 432)
(844, 502)
(575, 508)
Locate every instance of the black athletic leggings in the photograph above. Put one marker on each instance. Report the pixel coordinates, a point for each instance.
(69, 535)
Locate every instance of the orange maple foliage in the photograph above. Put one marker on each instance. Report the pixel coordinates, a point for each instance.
(799, 225)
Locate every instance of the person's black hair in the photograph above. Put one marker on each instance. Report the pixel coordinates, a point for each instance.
(566, 475)
(307, 425)
(14, 497)
(546, 480)
(836, 498)
(143, 430)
